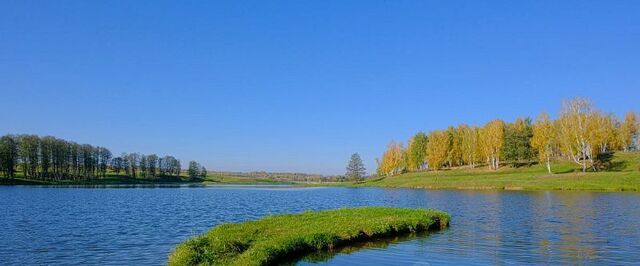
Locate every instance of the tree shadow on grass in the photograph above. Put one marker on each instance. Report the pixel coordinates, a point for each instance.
(566, 171)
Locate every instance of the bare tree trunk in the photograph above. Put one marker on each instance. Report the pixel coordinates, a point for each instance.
(548, 166)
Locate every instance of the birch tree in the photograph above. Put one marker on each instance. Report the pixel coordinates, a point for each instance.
(544, 139)
(492, 140)
(573, 129)
(628, 131)
(437, 149)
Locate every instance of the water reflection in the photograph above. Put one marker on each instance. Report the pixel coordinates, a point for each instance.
(135, 225)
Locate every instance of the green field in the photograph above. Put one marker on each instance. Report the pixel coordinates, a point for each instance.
(623, 176)
(276, 238)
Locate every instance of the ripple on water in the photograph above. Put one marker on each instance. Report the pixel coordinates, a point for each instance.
(139, 225)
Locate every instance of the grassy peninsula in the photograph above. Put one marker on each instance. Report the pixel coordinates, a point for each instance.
(623, 175)
(275, 238)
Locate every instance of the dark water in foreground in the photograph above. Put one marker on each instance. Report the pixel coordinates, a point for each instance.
(139, 226)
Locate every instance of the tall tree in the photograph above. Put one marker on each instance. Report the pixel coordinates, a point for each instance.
(492, 140)
(8, 155)
(417, 151)
(355, 168)
(437, 149)
(544, 139)
(629, 131)
(454, 154)
(194, 170)
(29, 151)
(152, 162)
(392, 162)
(576, 117)
(469, 144)
(517, 141)
(203, 172)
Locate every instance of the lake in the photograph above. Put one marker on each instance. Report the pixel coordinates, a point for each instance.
(139, 225)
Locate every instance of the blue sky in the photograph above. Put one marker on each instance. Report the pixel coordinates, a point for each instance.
(300, 85)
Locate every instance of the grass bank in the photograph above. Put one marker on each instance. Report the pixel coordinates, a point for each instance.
(623, 176)
(276, 238)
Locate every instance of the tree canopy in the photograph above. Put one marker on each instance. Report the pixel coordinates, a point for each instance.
(581, 133)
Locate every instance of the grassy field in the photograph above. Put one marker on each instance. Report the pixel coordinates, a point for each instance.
(623, 176)
(276, 238)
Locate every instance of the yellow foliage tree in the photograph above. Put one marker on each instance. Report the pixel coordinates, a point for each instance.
(469, 144)
(454, 155)
(392, 162)
(544, 139)
(573, 125)
(628, 130)
(437, 148)
(602, 134)
(492, 140)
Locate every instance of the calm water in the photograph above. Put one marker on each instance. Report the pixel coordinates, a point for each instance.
(139, 226)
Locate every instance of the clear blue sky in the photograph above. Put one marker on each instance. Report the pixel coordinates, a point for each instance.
(300, 85)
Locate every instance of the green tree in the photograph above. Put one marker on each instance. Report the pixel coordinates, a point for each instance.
(194, 170)
(29, 153)
(417, 152)
(203, 172)
(517, 142)
(8, 155)
(355, 168)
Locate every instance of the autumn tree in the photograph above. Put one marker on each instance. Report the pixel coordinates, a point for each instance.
(454, 153)
(469, 144)
(392, 162)
(437, 149)
(602, 135)
(492, 140)
(576, 118)
(628, 131)
(544, 139)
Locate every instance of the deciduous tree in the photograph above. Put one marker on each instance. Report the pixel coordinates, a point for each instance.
(544, 139)
(437, 149)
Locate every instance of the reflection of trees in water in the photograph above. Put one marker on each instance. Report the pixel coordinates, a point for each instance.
(573, 215)
(378, 243)
(576, 213)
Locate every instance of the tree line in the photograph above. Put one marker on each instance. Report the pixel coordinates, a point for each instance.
(581, 134)
(53, 159)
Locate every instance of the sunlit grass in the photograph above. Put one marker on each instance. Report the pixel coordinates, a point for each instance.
(623, 176)
(275, 238)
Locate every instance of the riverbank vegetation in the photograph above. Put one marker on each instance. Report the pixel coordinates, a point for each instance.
(276, 238)
(35, 159)
(623, 175)
(581, 135)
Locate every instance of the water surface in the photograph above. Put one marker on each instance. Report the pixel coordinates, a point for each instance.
(139, 225)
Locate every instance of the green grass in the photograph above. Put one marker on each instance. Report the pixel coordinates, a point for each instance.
(276, 238)
(623, 176)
